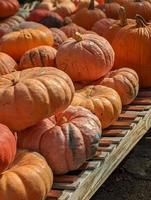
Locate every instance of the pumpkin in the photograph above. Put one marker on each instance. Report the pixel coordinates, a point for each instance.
(125, 81)
(46, 5)
(83, 3)
(134, 39)
(41, 56)
(30, 24)
(123, 2)
(66, 140)
(85, 57)
(7, 147)
(86, 17)
(29, 177)
(4, 29)
(30, 95)
(71, 28)
(111, 9)
(81, 84)
(7, 64)
(103, 25)
(17, 43)
(103, 101)
(8, 8)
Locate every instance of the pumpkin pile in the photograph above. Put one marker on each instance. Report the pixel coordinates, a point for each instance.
(66, 69)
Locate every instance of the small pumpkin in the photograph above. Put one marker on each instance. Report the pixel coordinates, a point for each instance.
(86, 17)
(85, 57)
(125, 81)
(7, 147)
(17, 43)
(46, 5)
(28, 177)
(103, 101)
(8, 8)
(59, 37)
(30, 95)
(74, 134)
(7, 64)
(41, 56)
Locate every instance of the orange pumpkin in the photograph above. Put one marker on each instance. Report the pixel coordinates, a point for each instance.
(7, 64)
(8, 8)
(41, 56)
(86, 17)
(86, 57)
(7, 147)
(66, 140)
(17, 43)
(31, 95)
(134, 39)
(29, 177)
(103, 101)
(125, 81)
(59, 37)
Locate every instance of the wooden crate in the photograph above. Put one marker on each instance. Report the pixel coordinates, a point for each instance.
(116, 142)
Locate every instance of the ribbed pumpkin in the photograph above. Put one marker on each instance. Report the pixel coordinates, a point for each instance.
(29, 177)
(17, 43)
(86, 57)
(59, 37)
(7, 147)
(8, 8)
(31, 95)
(125, 81)
(30, 24)
(103, 101)
(66, 140)
(41, 56)
(7, 64)
(134, 40)
(46, 5)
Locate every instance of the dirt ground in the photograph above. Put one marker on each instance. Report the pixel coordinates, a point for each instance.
(132, 179)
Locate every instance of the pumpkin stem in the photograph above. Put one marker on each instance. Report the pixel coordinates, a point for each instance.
(141, 22)
(78, 37)
(91, 5)
(122, 16)
(14, 82)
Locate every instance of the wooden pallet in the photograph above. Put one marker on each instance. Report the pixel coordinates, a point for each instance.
(116, 142)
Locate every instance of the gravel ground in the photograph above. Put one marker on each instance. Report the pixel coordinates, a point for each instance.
(132, 179)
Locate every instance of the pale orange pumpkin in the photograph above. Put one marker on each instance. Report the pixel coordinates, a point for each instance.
(31, 95)
(29, 177)
(66, 139)
(85, 57)
(103, 101)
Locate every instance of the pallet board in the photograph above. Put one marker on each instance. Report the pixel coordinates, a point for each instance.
(116, 142)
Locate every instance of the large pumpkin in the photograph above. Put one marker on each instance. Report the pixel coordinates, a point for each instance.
(103, 101)
(85, 57)
(125, 81)
(29, 177)
(8, 8)
(31, 95)
(66, 140)
(7, 64)
(7, 147)
(132, 48)
(17, 43)
(86, 17)
(41, 56)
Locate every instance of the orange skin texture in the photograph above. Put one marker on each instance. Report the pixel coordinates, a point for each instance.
(17, 43)
(7, 64)
(41, 56)
(7, 147)
(59, 37)
(86, 60)
(86, 18)
(103, 25)
(125, 81)
(66, 140)
(31, 95)
(29, 177)
(104, 102)
(136, 51)
(72, 28)
(8, 8)
(111, 10)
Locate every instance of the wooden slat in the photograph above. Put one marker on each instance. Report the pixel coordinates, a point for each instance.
(136, 108)
(144, 94)
(65, 179)
(114, 132)
(128, 115)
(142, 101)
(54, 194)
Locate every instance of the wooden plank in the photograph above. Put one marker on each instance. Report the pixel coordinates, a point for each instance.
(136, 108)
(142, 101)
(114, 132)
(54, 194)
